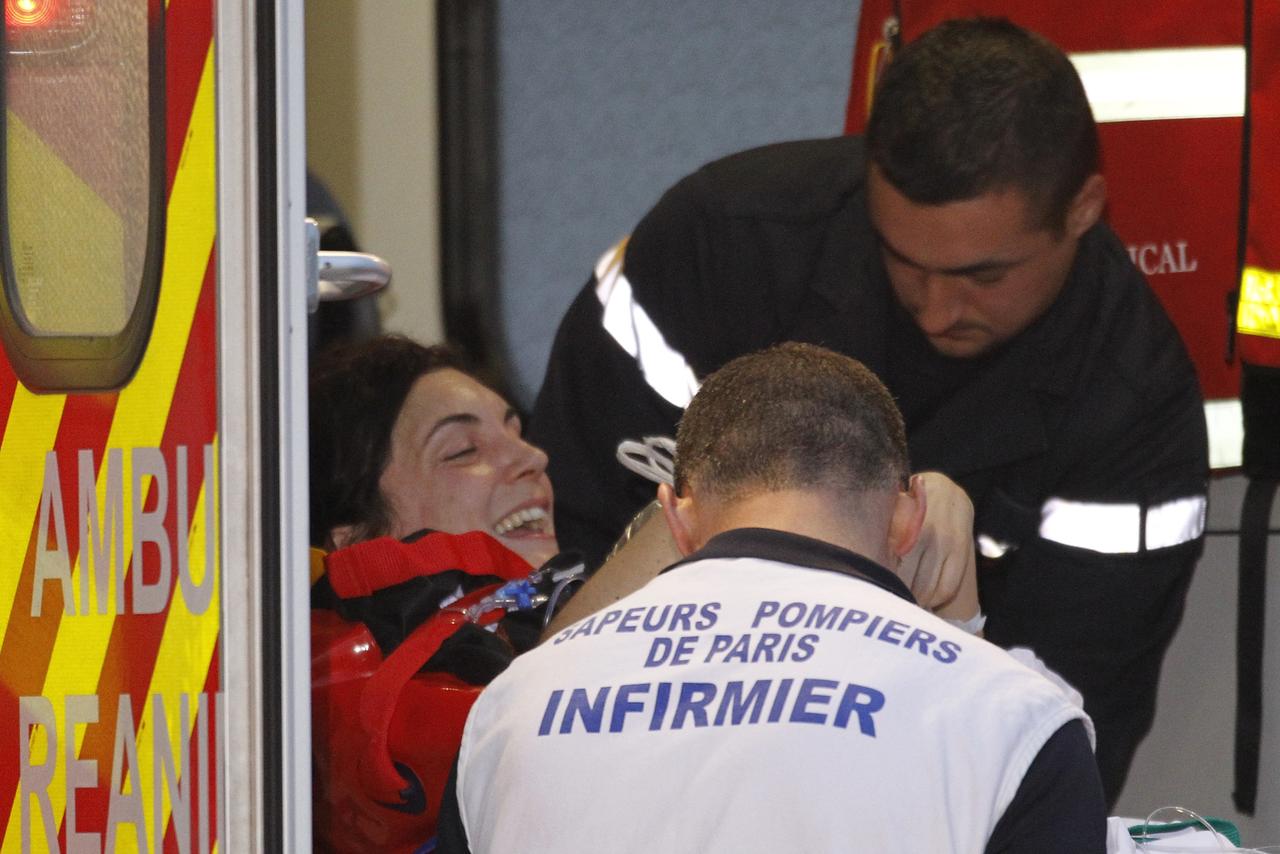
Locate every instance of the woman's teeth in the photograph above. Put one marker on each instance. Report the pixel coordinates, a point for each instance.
(531, 517)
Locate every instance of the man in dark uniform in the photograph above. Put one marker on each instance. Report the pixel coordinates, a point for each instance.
(958, 252)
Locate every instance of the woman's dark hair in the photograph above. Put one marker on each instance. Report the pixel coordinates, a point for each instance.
(981, 105)
(357, 390)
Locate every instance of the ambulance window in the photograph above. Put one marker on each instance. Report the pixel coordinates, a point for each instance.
(83, 187)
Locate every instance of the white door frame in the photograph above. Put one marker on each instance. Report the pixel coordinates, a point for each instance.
(266, 727)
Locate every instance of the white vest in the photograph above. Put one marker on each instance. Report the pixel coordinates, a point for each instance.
(741, 705)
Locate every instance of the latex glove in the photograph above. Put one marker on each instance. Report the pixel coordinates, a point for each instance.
(940, 569)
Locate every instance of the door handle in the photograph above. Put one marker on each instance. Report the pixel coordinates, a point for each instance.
(334, 276)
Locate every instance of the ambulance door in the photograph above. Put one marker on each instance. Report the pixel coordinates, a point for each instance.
(152, 441)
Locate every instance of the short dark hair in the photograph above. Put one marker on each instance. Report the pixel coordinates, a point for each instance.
(981, 105)
(794, 416)
(357, 390)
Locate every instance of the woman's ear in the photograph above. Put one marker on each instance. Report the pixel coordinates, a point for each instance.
(341, 536)
(681, 516)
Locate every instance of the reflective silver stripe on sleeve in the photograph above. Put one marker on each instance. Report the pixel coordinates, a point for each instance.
(1226, 433)
(663, 367)
(1114, 528)
(1164, 83)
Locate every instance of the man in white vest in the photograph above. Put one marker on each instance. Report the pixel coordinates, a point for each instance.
(778, 689)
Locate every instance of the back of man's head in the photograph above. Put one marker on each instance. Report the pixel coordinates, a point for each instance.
(794, 416)
(981, 105)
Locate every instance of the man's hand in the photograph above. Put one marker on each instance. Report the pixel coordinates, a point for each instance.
(941, 570)
(648, 550)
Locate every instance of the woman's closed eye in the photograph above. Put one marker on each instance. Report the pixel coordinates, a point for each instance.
(460, 454)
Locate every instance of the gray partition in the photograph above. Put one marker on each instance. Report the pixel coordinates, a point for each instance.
(603, 105)
(1188, 758)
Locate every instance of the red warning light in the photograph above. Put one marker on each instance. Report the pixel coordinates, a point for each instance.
(30, 13)
(46, 26)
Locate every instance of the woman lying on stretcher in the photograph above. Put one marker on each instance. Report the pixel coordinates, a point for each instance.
(423, 496)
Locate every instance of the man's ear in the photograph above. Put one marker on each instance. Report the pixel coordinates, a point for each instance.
(908, 517)
(1087, 206)
(681, 518)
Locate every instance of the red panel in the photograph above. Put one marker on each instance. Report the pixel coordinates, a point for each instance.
(1179, 211)
(8, 386)
(188, 37)
(85, 424)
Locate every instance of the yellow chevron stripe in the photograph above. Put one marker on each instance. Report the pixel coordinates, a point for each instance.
(140, 416)
(1259, 310)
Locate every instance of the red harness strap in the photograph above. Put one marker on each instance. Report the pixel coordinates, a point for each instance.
(366, 567)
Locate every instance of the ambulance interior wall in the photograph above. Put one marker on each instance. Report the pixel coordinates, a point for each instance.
(602, 107)
(372, 139)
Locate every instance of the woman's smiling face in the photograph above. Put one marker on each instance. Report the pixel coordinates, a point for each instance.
(458, 463)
